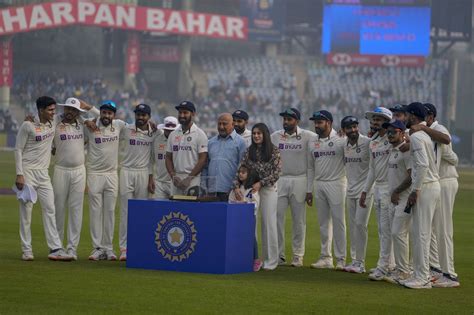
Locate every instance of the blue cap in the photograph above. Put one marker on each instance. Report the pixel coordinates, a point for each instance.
(430, 109)
(110, 105)
(291, 112)
(395, 123)
(186, 105)
(417, 109)
(322, 115)
(142, 108)
(398, 108)
(240, 114)
(348, 121)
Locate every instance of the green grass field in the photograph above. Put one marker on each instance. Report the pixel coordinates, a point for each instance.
(42, 286)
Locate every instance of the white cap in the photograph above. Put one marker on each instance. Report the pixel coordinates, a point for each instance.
(27, 194)
(170, 123)
(73, 102)
(379, 111)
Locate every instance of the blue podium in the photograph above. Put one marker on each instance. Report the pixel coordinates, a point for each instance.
(207, 237)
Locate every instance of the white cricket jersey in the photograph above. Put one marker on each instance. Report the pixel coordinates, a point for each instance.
(378, 165)
(293, 150)
(326, 158)
(103, 146)
(423, 159)
(356, 160)
(137, 148)
(159, 152)
(398, 165)
(446, 159)
(247, 135)
(186, 147)
(33, 146)
(69, 143)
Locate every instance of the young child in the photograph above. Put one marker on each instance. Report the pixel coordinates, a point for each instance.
(247, 177)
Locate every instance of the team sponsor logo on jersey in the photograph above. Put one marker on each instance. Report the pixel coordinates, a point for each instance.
(160, 156)
(140, 142)
(318, 154)
(176, 237)
(71, 137)
(44, 137)
(392, 165)
(106, 139)
(380, 153)
(352, 160)
(289, 146)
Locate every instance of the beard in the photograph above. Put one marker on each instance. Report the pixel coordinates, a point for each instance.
(352, 135)
(105, 121)
(239, 129)
(288, 128)
(69, 116)
(140, 122)
(184, 121)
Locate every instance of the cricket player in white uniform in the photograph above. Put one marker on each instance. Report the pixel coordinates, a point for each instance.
(423, 197)
(136, 167)
(378, 167)
(441, 249)
(326, 169)
(292, 141)
(399, 181)
(102, 179)
(356, 160)
(241, 119)
(163, 180)
(32, 157)
(399, 112)
(186, 153)
(69, 179)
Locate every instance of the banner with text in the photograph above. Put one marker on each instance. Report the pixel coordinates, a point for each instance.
(6, 66)
(62, 13)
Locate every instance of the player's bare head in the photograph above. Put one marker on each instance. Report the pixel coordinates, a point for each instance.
(225, 124)
(322, 122)
(350, 126)
(241, 118)
(46, 107)
(291, 117)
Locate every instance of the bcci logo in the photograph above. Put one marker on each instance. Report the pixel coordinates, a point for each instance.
(175, 236)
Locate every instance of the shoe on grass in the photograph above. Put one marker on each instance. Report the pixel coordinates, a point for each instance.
(323, 263)
(27, 256)
(297, 261)
(59, 255)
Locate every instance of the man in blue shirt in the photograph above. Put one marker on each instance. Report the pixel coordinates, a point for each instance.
(224, 154)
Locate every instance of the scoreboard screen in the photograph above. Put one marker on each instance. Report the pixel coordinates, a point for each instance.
(369, 28)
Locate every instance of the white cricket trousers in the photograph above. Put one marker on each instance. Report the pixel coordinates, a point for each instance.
(401, 224)
(268, 210)
(292, 192)
(330, 199)
(422, 214)
(40, 181)
(69, 185)
(103, 190)
(358, 227)
(442, 246)
(133, 185)
(162, 190)
(384, 216)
